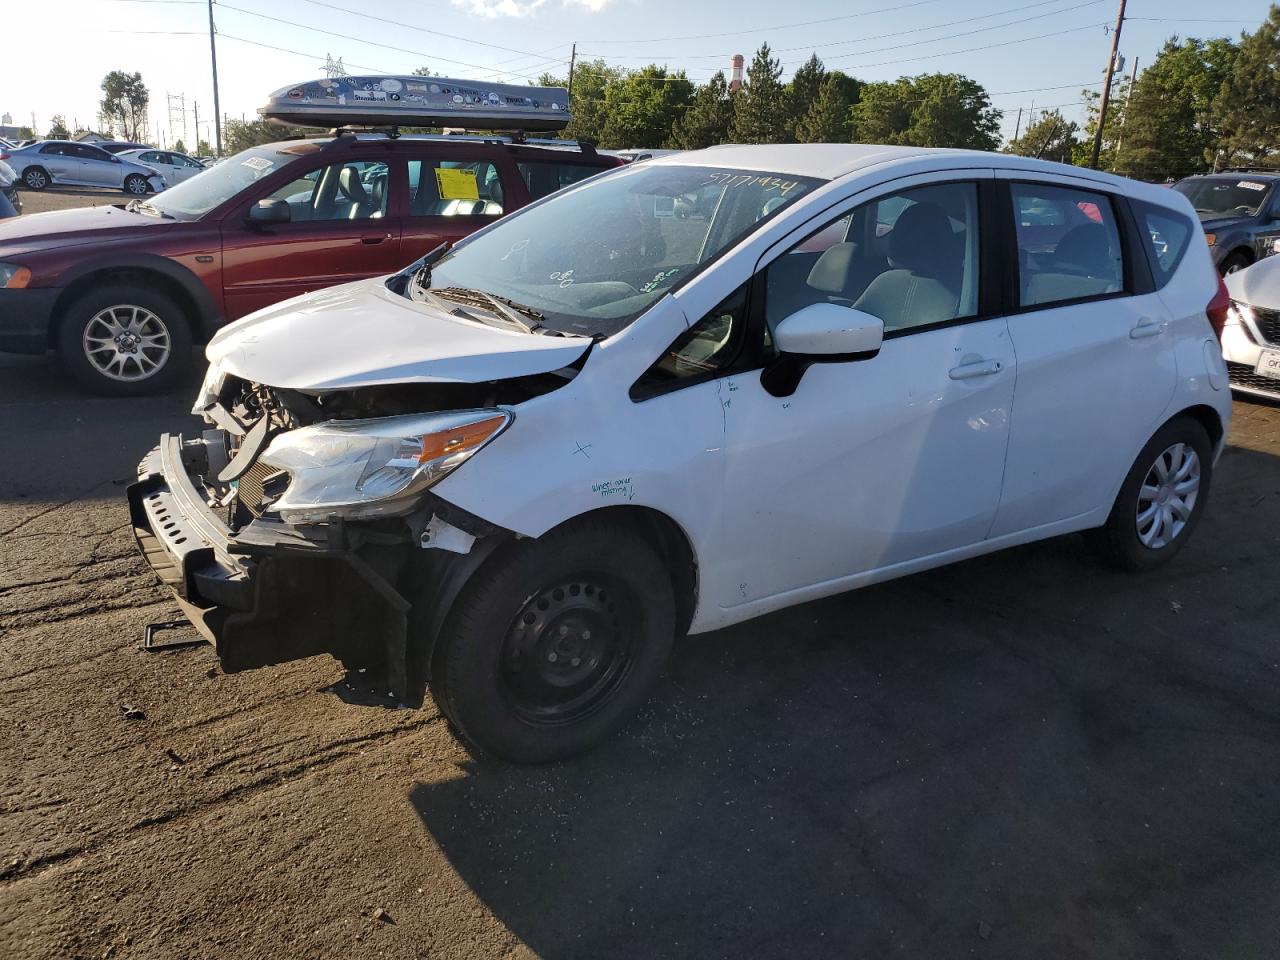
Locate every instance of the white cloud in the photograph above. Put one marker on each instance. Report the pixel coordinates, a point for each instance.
(492, 9)
(595, 6)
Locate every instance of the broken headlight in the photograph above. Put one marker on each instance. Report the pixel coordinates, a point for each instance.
(359, 469)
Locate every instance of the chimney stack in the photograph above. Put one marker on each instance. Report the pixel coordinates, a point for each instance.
(735, 75)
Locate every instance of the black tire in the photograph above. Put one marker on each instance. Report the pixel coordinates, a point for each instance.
(78, 316)
(1118, 541)
(497, 675)
(135, 184)
(1237, 261)
(36, 178)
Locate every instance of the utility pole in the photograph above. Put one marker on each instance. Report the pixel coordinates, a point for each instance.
(213, 59)
(1106, 87)
(1017, 127)
(573, 62)
(194, 147)
(1128, 95)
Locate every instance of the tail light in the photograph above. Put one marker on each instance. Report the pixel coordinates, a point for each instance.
(1218, 309)
(3, 155)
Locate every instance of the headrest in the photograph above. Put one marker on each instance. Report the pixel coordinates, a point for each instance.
(831, 271)
(351, 186)
(917, 240)
(1087, 248)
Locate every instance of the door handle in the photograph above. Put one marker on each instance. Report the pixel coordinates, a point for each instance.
(1146, 327)
(979, 368)
(372, 238)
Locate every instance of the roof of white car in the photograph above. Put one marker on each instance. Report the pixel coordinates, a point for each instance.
(829, 161)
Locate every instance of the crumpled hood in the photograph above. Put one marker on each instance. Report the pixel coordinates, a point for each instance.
(361, 334)
(1258, 285)
(65, 228)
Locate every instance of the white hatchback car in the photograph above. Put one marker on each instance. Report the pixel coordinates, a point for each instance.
(523, 466)
(1251, 339)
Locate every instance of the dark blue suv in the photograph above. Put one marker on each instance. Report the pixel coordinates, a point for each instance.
(1240, 213)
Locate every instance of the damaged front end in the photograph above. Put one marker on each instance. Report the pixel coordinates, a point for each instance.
(301, 521)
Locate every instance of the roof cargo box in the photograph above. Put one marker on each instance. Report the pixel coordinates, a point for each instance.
(418, 102)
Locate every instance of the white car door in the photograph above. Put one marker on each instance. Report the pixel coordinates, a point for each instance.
(1096, 366)
(160, 160)
(875, 462)
(183, 168)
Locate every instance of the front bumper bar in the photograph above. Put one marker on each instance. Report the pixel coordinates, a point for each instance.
(267, 593)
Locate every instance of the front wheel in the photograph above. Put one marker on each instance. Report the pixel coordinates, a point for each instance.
(556, 642)
(124, 340)
(1235, 263)
(1161, 500)
(136, 184)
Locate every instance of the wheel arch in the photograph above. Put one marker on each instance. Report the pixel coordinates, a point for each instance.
(1207, 417)
(160, 273)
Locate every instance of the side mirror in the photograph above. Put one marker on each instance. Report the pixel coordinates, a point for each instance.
(270, 211)
(816, 333)
(828, 330)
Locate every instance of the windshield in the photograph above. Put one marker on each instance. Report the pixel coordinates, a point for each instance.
(214, 186)
(593, 258)
(1224, 196)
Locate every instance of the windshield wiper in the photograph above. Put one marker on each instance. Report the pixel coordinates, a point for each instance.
(515, 313)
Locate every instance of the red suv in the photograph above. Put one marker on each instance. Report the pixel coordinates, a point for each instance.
(122, 292)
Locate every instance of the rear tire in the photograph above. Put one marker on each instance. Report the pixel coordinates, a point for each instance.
(1161, 500)
(556, 642)
(36, 178)
(123, 341)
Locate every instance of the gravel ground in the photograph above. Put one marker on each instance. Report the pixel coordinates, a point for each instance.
(64, 198)
(1019, 756)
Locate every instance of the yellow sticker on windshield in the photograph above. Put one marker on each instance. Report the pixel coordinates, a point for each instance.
(457, 184)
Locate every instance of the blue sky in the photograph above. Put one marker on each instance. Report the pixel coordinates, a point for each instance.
(1028, 45)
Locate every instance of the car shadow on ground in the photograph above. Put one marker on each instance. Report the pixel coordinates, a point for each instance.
(1022, 755)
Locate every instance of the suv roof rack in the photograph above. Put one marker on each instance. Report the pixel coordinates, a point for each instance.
(1274, 171)
(510, 138)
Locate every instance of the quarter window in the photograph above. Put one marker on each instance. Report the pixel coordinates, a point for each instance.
(910, 258)
(703, 352)
(543, 178)
(1068, 244)
(455, 188)
(1167, 234)
(355, 190)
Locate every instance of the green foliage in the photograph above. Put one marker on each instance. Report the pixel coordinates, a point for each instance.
(204, 149)
(1247, 107)
(124, 104)
(424, 71)
(763, 113)
(641, 107)
(25, 133)
(58, 129)
(240, 135)
(931, 110)
(803, 90)
(1052, 137)
(708, 119)
(587, 104)
(827, 118)
(179, 146)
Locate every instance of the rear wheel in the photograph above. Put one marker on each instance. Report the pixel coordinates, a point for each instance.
(36, 178)
(136, 184)
(1161, 500)
(125, 341)
(556, 642)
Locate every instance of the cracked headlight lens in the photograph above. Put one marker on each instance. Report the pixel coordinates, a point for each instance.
(360, 469)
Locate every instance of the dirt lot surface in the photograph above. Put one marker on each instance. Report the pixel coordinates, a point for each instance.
(64, 198)
(1020, 756)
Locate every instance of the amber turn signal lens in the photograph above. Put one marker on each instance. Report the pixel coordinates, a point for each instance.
(458, 439)
(19, 280)
(1210, 239)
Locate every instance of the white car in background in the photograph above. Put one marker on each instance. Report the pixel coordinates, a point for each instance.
(526, 464)
(1251, 338)
(175, 167)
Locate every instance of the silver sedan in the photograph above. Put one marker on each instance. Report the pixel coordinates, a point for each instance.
(67, 163)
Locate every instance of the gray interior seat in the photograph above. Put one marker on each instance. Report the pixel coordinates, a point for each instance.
(927, 261)
(352, 187)
(1084, 264)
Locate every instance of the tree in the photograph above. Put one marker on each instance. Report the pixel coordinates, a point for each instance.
(1052, 137)
(25, 133)
(1166, 127)
(1247, 107)
(803, 91)
(708, 119)
(203, 149)
(586, 107)
(424, 72)
(641, 107)
(827, 119)
(58, 129)
(179, 146)
(124, 103)
(931, 110)
(762, 112)
(240, 135)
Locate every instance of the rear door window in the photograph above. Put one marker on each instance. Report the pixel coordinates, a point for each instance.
(455, 188)
(1068, 244)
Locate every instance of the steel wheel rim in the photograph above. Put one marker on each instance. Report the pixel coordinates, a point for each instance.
(1234, 268)
(136, 185)
(1168, 495)
(126, 342)
(568, 650)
